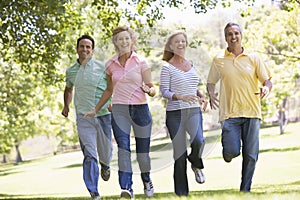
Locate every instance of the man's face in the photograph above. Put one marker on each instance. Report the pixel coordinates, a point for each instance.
(233, 36)
(84, 49)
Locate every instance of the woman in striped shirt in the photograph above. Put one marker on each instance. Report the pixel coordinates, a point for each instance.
(179, 84)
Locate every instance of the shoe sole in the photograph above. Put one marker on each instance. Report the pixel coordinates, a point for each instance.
(126, 195)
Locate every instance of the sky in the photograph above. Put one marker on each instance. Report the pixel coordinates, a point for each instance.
(175, 16)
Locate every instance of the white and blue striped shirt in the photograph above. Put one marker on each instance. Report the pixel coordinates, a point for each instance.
(175, 81)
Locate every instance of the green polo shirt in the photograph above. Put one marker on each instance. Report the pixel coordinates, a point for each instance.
(89, 83)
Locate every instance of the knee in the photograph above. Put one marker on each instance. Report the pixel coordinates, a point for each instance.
(229, 155)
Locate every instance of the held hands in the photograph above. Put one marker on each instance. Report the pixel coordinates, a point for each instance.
(90, 114)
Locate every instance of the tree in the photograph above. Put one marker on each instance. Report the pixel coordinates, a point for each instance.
(30, 41)
(36, 37)
(280, 47)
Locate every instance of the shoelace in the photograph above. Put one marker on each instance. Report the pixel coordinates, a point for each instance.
(149, 185)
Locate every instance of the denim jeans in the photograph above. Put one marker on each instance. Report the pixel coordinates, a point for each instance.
(95, 137)
(180, 122)
(139, 118)
(237, 133)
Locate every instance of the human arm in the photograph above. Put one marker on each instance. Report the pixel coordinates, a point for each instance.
(265, 90)
(68, 93)
(104, 98)
(166, 91)
(213, 100)
(148, 86)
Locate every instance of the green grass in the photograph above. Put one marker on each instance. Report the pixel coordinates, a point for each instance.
(277, 174)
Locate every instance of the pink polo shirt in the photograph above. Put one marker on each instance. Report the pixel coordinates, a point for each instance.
(127, 81)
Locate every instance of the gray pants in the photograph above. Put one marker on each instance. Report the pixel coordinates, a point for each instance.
(95, 138)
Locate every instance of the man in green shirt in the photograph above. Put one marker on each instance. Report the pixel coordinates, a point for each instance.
(88, 77)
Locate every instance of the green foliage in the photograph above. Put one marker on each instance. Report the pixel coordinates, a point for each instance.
(275, 34)
(31, 33)
(38, 38)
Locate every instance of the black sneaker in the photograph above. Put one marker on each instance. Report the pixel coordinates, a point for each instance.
(105, 174)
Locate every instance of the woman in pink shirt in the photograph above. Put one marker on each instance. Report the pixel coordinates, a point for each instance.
(128, 79)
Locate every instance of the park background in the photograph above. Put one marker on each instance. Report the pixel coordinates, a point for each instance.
(38, 43)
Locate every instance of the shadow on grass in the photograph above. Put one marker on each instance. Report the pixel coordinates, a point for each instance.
(280, 149)
(258, 192)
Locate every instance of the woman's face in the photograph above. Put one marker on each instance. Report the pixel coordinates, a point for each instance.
(124, 42)
(178, 44)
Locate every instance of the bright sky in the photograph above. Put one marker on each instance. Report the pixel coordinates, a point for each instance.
(188, 16)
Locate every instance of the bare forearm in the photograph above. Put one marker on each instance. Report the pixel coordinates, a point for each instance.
(269, 84)
(210, 89)
(104, 98)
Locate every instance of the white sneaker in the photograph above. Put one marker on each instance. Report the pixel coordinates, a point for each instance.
(96, 198)
(148, 189)
(199, 176)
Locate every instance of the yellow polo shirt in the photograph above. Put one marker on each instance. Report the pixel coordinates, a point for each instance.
(239, 79)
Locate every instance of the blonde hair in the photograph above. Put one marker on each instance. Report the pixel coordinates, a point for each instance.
(131, 32)
(168, 52)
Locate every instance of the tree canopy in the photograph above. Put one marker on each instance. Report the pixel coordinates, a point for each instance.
(38, 37)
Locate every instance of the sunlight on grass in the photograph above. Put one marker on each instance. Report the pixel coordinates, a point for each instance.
(277, 175)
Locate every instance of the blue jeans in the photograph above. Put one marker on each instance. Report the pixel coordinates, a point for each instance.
(180, 122)
(95, 137)
(245, 130)
(139, 118)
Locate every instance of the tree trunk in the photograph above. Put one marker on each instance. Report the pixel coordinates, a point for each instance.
(4, 158)
(18, 157)
(281, 116)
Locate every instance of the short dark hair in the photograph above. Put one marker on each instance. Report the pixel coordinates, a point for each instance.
(86, 37)
(230, 24)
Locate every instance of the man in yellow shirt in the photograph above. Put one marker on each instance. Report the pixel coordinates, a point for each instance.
(239, 73)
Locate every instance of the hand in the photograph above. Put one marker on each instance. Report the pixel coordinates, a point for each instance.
(264, 91)
(149, 90)
(65, 111)
(214, 101)
(90, 114)
(188, 98)
(109, 107)
(203, 100)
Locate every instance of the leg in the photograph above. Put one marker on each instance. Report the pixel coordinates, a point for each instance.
(195, 129)
(87, 136)
(250, 149)
(121, 124)
(104, 145)
(174, 123)
(104, 140)
(142, 125)
(231, 138)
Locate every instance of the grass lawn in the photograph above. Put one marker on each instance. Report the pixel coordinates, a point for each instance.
(277, 174)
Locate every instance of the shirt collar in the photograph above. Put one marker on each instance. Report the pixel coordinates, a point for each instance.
(88, 63)
(227, 53)
(133, 54)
